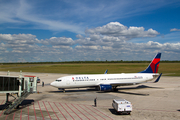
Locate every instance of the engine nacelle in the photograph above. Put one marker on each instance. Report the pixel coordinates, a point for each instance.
(105, 87)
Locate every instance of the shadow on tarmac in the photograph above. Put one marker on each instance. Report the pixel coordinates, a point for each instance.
(130, 93)
(24, 104)
(113, 111)
(138, 87)
(78, 90)
(27, 102)
(119, 90)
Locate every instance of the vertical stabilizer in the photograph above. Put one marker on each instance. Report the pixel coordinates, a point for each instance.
(154, 65)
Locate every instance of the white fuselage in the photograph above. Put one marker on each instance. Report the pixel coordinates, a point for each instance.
(77, 81)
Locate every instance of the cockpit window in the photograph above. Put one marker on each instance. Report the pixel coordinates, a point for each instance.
(59, 80)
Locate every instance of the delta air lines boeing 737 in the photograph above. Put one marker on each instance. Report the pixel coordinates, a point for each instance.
(109, 82)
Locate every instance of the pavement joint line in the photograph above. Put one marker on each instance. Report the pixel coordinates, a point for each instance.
(96, 109)
(66, 111)
(53, 110)
(74, 104)
(41, 110)
(94, 112)
(2, 102)
(103, 113)
(87, 112)
(28, 112)
(21, 115)
(59, 110)
(6, 117)
(34, 111)
(80, 111)
(2, 110)
(14, 115)
(73, 111)
(47, 110)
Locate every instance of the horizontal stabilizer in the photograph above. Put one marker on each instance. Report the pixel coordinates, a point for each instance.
(157, 80)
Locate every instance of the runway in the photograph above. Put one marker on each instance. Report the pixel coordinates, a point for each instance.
(149, 100)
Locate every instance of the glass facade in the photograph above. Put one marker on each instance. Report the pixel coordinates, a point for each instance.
(10, 83)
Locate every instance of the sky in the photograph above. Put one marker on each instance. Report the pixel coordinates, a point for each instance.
(86, 30)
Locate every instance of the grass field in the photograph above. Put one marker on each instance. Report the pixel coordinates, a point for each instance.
(169, 69)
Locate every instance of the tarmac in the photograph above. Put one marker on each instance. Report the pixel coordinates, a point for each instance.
(150, 101)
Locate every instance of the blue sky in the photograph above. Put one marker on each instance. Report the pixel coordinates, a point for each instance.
(68, 30)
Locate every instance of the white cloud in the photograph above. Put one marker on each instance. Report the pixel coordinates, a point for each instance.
(109, 42)
(174, 29)
(107, 48)
(5, 37)
(61, 41)
(116, 29)
(88, 47)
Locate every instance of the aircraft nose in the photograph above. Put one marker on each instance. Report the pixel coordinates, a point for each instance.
(52, 84)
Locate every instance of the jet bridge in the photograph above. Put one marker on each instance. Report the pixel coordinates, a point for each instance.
(22, 86)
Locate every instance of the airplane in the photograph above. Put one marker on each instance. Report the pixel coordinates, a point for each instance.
(110, 82)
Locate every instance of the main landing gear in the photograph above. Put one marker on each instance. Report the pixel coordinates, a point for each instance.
(115, 89)
(64, 90)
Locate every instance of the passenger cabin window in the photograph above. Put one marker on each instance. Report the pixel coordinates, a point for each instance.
(58, 80)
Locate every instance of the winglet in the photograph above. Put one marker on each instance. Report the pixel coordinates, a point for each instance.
(157, 80)
(106, 71)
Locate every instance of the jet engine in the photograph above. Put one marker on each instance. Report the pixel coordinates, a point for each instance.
(105, 87)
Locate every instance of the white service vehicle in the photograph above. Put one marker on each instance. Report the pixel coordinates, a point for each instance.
(122, 106)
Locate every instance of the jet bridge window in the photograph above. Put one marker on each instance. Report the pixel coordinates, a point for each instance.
(59, 80)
